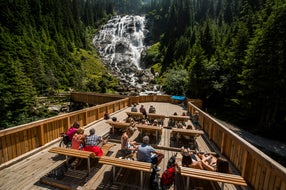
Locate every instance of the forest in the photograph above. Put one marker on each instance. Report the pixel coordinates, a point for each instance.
(229, 53)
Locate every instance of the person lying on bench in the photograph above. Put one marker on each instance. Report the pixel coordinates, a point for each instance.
(147, 153)
(213, 163)
(189, 159)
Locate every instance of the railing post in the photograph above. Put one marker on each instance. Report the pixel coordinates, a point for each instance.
(42, 136)
(222, 143)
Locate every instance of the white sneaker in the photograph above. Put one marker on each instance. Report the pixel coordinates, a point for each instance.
(157, 168)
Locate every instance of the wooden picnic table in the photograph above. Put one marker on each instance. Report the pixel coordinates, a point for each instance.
(179, 118)
(187, 133)
(156, 129)
(136, 115)
(175, 119)
(118, 124)
(160, 118)
(155, 116)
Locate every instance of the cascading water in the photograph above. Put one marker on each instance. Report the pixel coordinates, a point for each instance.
(120, 43)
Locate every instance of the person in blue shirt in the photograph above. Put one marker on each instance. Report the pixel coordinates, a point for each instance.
(147, 153)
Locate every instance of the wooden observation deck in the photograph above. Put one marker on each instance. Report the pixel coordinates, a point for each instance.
(25, 156)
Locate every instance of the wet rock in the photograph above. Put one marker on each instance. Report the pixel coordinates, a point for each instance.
(120, 43)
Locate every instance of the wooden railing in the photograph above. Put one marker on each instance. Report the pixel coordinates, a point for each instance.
(19, 140)
(259, 170)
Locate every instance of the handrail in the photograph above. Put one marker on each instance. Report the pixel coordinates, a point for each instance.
(19, 140)
(259, 170)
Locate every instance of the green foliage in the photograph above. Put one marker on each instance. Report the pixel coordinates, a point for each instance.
(234, 52)
(153, 55)
(231, 54)
(176, 82)
(94, 77)
(38, 41)
(263, 76)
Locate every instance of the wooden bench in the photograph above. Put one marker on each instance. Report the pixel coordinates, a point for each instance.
(175, 119)
(211, 176)
(118, 124)
(128, 164)
(142, 128)
(68, 152)
(138, 116)
(179, 118)
(160, 118)
(188, 134)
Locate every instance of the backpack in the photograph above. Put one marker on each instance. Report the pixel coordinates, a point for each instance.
(154, 180)
(168, 176)
(66, 139)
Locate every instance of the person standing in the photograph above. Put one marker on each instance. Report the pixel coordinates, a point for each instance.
(143, 111)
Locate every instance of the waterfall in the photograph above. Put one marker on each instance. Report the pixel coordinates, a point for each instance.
(121, 39)
(120, 43)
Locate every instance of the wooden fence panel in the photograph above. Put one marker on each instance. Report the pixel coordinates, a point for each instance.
(259, 170)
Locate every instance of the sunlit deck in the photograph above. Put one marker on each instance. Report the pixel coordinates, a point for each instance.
(25, 159)
(26, 172)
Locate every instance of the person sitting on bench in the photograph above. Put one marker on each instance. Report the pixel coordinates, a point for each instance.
(127, 147)
(92, 142)
(78, 139)
(147, 153)
(152, 109)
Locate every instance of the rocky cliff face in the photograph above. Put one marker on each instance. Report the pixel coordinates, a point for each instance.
(120, 43)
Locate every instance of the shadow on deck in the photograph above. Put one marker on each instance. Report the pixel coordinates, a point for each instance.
(101, 175)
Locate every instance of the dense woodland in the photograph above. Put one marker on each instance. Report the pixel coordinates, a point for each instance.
(229, 53)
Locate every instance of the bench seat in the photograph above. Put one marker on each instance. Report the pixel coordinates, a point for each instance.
(118, 124)
(179, 118)
(136, 115)
(72, 152)
(128, 164)
(124, 163)
(68, 152)
(155, 116)
(211, 176)
(187, 132)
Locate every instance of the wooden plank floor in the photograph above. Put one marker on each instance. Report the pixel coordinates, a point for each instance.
(27, 170)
